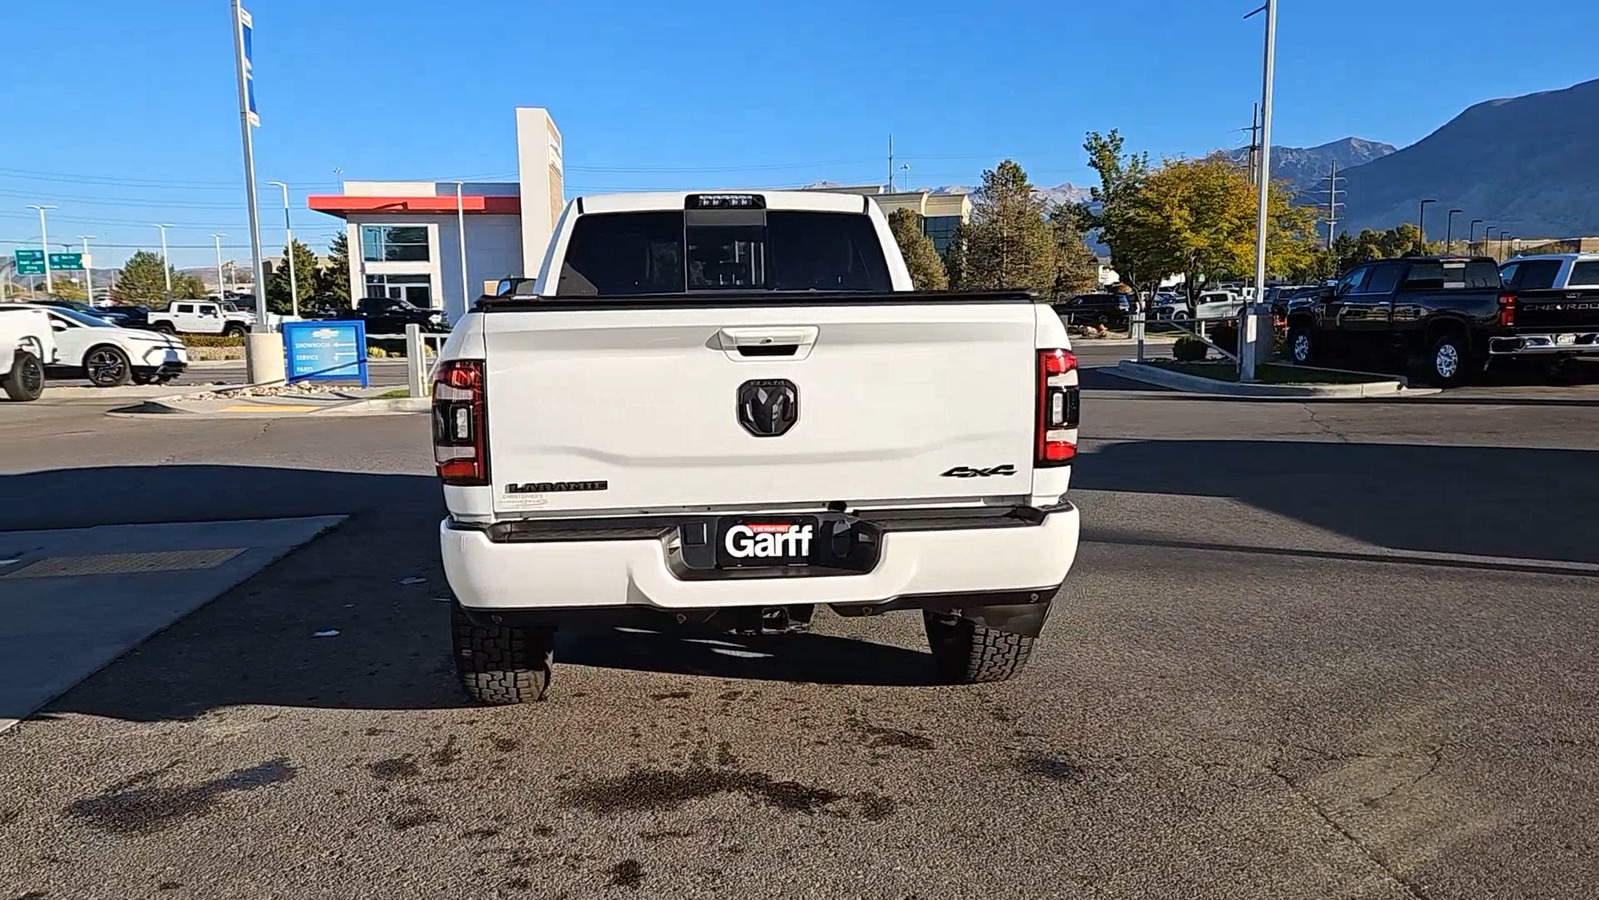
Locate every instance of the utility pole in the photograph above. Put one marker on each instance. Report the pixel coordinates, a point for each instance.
(1254, 145)
(222, 285)
(1246, 354)
(44, 242)
(88, 273)
(1332, 204)
(166, 267)
(891, 164)
(288, 249)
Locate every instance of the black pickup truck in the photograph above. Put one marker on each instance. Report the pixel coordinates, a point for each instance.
(1447, 316)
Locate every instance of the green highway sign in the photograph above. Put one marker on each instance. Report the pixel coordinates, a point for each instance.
(30, 262)
(59, 261)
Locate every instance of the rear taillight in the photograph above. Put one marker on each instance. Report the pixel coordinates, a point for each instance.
(460, 419)
(1507, 309)
(1057, 409)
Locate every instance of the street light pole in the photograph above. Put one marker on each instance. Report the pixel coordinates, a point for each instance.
(1449, 233)
(222, 284)
(88, 273)
(1246, 349)
(166, 267)
(460, 231)
(44, 241)
(1421, 226)
(1473, 238)
(288, 249)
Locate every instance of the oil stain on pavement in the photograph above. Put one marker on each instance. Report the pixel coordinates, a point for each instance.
(131, 807)
(644, 790)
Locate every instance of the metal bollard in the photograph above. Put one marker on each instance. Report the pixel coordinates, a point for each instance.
(416, 365)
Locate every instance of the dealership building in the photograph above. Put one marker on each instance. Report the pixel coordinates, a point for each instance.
(443, 244)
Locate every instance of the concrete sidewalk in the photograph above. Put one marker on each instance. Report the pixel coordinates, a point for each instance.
(73, 600)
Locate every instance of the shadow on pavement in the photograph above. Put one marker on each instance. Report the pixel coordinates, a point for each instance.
(257, 644)
(1488, 501)
(813, 658)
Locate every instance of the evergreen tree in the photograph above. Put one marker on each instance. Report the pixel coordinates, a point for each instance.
(333, 280)
(142, 280)
(1008, 243)
(279, 298)
(955, 258)
(1076, 266)
(927, 270)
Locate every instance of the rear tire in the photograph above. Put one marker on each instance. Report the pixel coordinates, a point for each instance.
(501, 665)
(1301, 345)
(1449, 363)
(965, 652)
(25, 382)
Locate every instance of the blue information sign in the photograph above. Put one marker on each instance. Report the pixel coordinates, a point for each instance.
(325, 351)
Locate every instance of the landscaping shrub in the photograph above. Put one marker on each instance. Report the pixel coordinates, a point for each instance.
(1189, 349)
(211, 340)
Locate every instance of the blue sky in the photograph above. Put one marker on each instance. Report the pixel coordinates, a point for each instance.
(124, 114)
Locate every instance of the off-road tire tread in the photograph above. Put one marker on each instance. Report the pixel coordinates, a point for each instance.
(11, 383)
(501, 665)
(967, 653)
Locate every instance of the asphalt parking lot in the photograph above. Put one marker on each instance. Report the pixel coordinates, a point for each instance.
(1310, 650)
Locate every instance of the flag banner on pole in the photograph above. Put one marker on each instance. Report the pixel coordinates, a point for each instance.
(246, 26)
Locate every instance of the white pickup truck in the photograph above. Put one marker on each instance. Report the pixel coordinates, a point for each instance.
(730, 408)
(27, 345)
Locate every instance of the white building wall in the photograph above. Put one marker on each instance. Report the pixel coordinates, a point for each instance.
(493, 251)
(538, 153)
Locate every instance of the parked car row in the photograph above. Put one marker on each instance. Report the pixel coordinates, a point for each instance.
(1451, 316)
(106, 354)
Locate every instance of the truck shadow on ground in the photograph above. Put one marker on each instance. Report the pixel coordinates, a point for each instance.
(697, 650)
(378, 582)
(1488, 501)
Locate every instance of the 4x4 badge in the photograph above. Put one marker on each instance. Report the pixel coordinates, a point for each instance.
(968, 472)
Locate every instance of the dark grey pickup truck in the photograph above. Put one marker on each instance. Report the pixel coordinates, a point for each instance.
(1446, 316)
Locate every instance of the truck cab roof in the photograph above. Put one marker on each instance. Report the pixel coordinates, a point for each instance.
(647, 201)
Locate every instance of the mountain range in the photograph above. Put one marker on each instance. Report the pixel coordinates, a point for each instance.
(1306, 168)
(1524, 164)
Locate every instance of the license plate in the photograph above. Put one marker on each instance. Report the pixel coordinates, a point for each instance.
(1565, 339)
(766, 541)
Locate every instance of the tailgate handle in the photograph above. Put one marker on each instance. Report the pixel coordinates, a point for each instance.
(784, 342)
(769, 350)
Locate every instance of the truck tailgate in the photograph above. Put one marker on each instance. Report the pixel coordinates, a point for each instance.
(663, 409)
(1573, 309)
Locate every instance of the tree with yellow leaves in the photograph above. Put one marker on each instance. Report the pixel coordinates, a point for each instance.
(1197, 217)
